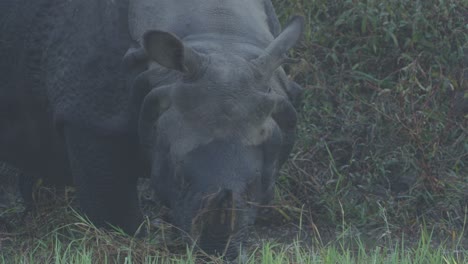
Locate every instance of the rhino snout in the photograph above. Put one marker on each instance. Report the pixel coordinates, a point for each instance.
(219, 225)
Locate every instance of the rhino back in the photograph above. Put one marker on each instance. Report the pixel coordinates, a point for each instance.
(24, 116)
(82, 60)
(244, 19)
(21, 42)
(60, 62)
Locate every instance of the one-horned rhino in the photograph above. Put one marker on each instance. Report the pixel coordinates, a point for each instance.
(204, 106)
(216, 119)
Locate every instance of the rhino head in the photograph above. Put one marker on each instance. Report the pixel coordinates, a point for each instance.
(215, 135)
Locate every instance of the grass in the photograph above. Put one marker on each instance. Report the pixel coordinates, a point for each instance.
(382, 139)
(55, 233)
(379, 173)
(75, 240)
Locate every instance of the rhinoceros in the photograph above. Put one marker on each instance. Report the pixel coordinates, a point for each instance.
(188, 92)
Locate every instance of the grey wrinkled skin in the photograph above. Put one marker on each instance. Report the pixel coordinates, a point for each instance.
(199, 102)
(65, 104)
(215, 111)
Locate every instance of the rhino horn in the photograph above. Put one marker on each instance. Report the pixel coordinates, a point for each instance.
(169, 51)
(275, 54)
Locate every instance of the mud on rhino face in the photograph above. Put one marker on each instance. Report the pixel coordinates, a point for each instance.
(216, 135)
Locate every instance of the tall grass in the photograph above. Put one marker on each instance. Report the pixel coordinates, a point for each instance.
(382, 135)
(69, 243)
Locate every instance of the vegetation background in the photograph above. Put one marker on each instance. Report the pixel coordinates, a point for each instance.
(383, 133)
(379, 173)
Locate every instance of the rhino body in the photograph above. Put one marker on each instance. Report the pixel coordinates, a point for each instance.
(65, 103)
(241, 20)
(190, 93)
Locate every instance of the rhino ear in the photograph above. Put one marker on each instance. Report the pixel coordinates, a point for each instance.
(275, 53)
(169, 51)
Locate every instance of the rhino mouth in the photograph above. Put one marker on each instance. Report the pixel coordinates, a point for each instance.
(219, 227)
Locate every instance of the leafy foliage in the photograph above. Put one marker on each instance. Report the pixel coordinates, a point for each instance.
(382, 138)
